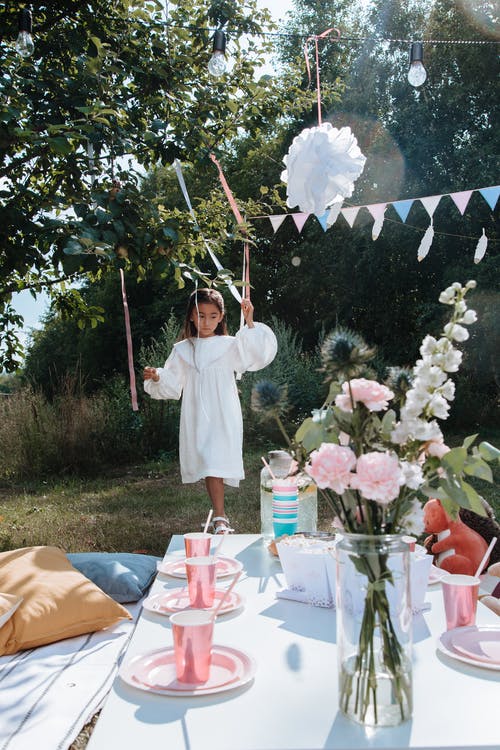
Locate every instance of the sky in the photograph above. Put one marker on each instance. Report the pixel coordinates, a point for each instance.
(31, 309)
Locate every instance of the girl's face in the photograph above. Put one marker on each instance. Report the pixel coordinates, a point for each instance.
(206, 318)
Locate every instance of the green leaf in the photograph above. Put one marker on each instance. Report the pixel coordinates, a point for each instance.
(455, 460)
(469, 440)
(476, 467)
(489, 452)
(310, 434)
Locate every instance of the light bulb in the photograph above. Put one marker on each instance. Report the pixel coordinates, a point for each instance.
(24, 41)
(416, 73)
(24, 44)
(217, 65)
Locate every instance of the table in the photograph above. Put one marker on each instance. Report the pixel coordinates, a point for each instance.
(292, 702)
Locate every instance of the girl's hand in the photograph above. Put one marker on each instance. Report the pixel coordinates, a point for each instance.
(247, 309)
(150, 373)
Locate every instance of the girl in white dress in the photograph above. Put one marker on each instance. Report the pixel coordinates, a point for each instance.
(201, 368)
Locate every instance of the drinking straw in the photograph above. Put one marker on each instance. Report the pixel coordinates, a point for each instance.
(226, 594)
(268, 467)
(486, 555)
(209, 518)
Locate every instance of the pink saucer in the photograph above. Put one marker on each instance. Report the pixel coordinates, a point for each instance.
(154, 672)
(175, 600)
(226, 566)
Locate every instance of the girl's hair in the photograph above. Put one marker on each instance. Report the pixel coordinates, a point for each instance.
(200, 297)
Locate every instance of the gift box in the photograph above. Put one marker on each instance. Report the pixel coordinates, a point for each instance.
(309, 567)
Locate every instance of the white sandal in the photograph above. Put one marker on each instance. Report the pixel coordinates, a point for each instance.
(222, 527)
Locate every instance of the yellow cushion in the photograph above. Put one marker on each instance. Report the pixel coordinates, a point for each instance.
(58, 601)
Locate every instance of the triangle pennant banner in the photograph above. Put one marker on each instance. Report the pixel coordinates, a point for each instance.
(430, 203)
(323, 219)
(350, 214)
(300, 219)
(490, 195)
(377, 210)
(461, 200)
(277, 221)
(403, 208)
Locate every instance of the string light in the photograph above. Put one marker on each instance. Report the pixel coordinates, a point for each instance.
(416, 72)
(24, 42)
(217, 65)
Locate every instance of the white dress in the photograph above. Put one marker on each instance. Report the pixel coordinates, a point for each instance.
(202, 370)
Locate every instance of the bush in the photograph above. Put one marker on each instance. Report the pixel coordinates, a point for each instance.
(73, 433)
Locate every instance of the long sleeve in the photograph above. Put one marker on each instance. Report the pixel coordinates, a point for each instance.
(256, 347)
(172, 378)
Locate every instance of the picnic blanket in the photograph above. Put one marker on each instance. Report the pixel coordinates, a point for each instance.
(48, 694)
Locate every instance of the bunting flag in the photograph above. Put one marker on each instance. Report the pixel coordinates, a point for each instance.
(323, 220)
(490, 195)
(403, 208)
(350, 214)
(277, 221)
(333, 214)
(377, 210)
(430, 203)
(481, 248)
(300, 219)
(461, 200)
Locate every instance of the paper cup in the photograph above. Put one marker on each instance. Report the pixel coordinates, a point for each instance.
(201, 577)
(460, 599)
(197, 544)
(193, 634)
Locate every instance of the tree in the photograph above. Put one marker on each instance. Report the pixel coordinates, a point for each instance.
(111, 90)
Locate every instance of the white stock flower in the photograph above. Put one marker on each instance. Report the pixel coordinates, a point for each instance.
(456, 332)
(428, 375)
(447, 390)
(413, 520)
(469, 317)
(412, 428)
(448, 296)
(437, 406)
(471, 284)
(429, 346)
(412, 473)
(451, 360)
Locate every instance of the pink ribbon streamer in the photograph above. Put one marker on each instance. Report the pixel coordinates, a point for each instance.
(318, 85)
(133, 389)
(239, 219)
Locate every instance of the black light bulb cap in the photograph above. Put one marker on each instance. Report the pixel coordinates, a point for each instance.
(219, 41)
(416, 52)
(24, 20)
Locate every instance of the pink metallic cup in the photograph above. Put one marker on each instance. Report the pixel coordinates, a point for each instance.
(460, 599)
(193, 634)
(197, 544)
(201, 580)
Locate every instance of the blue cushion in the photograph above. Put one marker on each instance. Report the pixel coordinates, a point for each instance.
(124, 576)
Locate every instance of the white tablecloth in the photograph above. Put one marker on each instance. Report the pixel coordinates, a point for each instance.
(292, 702)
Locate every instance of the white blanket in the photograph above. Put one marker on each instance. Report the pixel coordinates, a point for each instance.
(49, 693)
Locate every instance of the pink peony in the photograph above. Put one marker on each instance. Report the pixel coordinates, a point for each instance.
(378, 477)
(370, 393)
(331, 466)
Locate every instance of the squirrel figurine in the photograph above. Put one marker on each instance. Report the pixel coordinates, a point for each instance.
(459, 548)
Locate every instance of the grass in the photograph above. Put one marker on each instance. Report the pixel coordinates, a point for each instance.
(135, 510)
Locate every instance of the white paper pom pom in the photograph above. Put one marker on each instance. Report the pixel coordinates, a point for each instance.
(322, 165)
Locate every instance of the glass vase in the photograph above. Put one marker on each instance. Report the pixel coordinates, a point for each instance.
(374, 629)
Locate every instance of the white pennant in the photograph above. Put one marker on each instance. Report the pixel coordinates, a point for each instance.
(334, 213)
(350, 214)
(377, 210)
(277, 221)
(461, 200)
(430, 203)
(426, 243)
(481, 248)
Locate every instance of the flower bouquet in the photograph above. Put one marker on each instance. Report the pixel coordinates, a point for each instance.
(375, 451)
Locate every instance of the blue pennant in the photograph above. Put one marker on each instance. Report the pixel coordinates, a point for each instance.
(322, 219)
(490, 195)
(403, 208)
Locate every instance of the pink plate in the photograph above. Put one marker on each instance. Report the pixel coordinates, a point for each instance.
(226, 566)
(478, 643)
(445, 645)
(154, 672)
(435, 575)
(176, 600)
